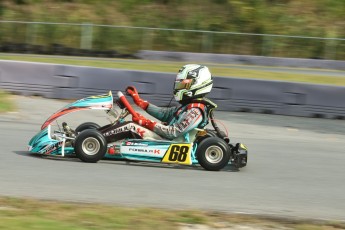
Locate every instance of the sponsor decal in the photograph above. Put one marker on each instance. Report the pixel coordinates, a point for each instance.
(129, 143)
(127, 128)
(50, 148)
(145, 150)
(140, 131)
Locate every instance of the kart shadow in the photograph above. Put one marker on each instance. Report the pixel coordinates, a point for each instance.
(45, 157)
(72, 158)
(228, 168)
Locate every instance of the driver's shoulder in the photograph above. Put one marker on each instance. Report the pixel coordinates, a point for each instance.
(196, 106)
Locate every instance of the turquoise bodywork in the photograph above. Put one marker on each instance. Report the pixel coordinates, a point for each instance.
(45, 143)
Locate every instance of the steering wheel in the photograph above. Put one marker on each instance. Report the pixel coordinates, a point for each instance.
(125, 102)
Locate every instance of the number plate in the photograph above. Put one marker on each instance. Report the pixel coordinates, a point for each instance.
(178, 154)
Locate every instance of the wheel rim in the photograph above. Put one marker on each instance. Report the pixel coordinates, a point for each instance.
(214, 154)
(91, 146)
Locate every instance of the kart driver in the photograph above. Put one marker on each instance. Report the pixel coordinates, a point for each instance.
(192, 83)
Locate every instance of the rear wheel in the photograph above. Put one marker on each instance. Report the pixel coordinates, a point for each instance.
(213, 153)
(87, 125)
(209, 133)
(90, 146)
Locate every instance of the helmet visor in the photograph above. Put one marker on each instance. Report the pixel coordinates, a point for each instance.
(183, 84)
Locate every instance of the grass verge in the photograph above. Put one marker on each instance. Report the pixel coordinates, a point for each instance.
(37, 214)
(6, 103)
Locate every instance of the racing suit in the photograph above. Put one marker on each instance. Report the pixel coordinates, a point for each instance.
(178, 123)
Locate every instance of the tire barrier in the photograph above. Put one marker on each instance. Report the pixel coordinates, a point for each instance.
(231, 94)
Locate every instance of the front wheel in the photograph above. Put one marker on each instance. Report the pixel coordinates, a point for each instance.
(213, 153)
(90, 146)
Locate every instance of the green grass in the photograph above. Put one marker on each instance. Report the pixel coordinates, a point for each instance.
(309, 18)
(6, 103)
(237, 71)
(18, 214)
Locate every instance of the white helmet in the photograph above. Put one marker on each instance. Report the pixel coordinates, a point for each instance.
(192, 81)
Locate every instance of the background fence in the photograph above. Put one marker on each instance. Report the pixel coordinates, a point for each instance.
(121, 41)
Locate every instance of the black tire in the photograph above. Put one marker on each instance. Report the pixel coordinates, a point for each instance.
(213, 153)
(90, 146)
(209, 133)
(87, 125)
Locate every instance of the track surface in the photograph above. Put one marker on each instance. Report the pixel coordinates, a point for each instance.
(296, 168)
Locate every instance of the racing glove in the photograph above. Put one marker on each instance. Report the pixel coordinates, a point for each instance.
(141, 120)
(132, 91)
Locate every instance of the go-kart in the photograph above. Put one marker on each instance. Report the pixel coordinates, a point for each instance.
(209, 148)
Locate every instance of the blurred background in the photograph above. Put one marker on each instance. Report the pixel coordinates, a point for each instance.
(105, 28)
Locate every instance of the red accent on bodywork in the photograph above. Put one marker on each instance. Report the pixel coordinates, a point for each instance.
(157, 151)
(69, 110)
(140, 132)
(59, 114)
(111, 151)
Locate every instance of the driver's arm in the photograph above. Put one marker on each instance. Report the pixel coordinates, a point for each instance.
(187, 121)
(161, 113)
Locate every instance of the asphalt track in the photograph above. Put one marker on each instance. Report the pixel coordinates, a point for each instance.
(295, 169)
